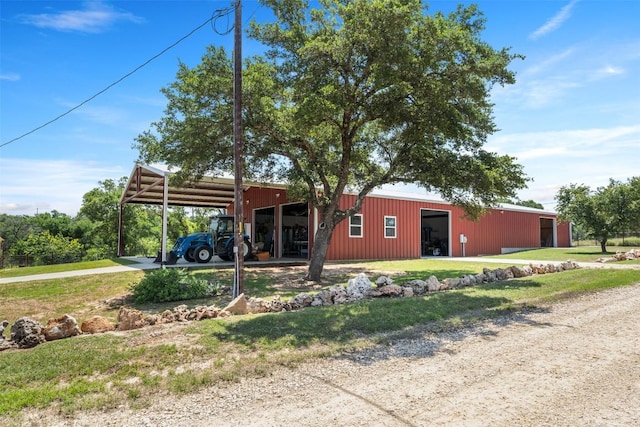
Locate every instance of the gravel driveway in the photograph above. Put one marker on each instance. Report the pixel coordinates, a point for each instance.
(576, 363)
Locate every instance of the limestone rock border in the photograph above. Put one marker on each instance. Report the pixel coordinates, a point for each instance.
(621, 256)
(27, 333)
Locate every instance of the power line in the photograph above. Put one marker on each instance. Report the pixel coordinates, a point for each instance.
(217, 14)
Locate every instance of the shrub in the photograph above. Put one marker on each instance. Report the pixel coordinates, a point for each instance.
(630, 241)
(96, 253)
(171, 284)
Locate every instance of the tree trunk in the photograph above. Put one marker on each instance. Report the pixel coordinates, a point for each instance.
(319, 251)
(603, 245)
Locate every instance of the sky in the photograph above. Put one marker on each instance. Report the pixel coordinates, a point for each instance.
(80, 80)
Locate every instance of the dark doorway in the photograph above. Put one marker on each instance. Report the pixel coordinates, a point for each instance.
(434, 229)
(547, 235)
(295, 230)
(265, 222)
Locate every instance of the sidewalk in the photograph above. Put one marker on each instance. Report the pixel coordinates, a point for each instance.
(142, 263)
(104, 270)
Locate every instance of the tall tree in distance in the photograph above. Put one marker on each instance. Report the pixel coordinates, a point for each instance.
(101, 206)
(348, 97)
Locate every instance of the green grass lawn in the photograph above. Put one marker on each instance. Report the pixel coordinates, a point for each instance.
(106, 370)
(73, 266)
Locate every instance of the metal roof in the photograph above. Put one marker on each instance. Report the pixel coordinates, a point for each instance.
(146, 186)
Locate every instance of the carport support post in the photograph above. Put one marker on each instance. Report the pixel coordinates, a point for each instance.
(237, 153)
(120, 231)
(165, 202)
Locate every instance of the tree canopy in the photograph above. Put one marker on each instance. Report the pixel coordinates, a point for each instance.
(348, 97)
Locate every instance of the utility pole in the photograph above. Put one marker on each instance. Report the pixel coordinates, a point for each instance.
(237, 153)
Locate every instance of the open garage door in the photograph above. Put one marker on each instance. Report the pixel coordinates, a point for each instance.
(295, 230)
(435, 232)
(265, 225)
(548, 233)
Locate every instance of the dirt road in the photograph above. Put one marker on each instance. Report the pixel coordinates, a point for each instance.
(576, 363)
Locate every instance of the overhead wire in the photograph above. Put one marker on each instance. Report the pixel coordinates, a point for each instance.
(214, 17)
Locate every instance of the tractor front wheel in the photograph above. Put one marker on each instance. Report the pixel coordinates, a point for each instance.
(203, 254)
(189, 254)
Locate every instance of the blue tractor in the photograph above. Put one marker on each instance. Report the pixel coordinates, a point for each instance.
(200, 247)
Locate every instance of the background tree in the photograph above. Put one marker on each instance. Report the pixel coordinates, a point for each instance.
(634, 191)
(518, 202)
(45, 248)
(578, 233)
(530, 204)
(101, 206)
(348, 97)
(602, 213)
(14, 228)
(56, 223)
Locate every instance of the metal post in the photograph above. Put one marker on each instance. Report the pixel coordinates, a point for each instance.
(238, 148)
(165, 206)
(120, 231)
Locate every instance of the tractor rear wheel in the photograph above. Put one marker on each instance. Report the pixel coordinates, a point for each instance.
(203, 254)
(245, 250)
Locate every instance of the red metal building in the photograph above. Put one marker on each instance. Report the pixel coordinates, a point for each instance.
(397, 226)
(389, 226)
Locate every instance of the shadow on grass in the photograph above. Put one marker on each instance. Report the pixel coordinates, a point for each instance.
(123, 261)
(440, 274)
(594, 253)
(511, 284)
(431, 320)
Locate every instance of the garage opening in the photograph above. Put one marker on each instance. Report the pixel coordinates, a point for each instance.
(547, 233)
(265, 225)
(295, 230)
(434, 229)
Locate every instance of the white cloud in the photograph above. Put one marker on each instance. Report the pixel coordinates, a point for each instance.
(12, 77)
(556, 78)
(30, 185)
(607, 71)
(555, 22)
(572, 142)
(94, 17)
(550, 61)
(584, 156)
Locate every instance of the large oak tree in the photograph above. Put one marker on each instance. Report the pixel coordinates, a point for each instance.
(348, 97)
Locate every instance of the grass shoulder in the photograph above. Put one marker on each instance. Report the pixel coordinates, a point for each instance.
(107, 370)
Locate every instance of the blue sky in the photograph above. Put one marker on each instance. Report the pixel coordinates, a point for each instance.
(572, 117)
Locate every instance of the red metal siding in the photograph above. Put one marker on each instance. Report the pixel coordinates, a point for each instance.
(564, 234)
(497, 229)
(373, 244)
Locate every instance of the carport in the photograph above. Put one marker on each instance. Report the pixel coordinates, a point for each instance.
(151, 186)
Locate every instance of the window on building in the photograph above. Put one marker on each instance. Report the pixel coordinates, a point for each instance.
(355, 226)
(390, 227)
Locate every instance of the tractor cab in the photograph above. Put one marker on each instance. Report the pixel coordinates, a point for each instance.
(222, 230)
(221, 225)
